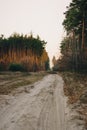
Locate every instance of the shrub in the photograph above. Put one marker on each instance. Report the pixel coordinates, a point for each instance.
(55, 68)
(1, 67)
(16, 67)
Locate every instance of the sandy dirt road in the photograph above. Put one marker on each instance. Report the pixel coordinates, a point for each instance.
(42, 106)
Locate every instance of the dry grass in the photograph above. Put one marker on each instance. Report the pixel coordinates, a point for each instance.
(75, 85)
(76, 89)
(9, 81)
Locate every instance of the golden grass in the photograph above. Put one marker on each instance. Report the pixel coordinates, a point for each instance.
(9, 81)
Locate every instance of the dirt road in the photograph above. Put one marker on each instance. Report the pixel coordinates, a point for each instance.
(41, 107)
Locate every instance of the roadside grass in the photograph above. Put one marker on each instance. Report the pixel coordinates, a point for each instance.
(75, 88)
(9, 81)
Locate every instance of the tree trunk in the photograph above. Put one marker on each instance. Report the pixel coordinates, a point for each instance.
(83, 39)
(83, 43)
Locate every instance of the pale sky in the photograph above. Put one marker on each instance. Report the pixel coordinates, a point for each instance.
(42, 17)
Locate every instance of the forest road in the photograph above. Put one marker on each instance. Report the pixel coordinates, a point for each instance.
(43, 107)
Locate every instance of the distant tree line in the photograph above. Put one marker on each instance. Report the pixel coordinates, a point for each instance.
(23, 51)
(74, 45)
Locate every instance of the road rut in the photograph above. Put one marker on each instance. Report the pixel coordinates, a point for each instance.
(43, 107)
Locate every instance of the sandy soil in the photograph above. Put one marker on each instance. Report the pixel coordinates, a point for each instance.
(42, 106)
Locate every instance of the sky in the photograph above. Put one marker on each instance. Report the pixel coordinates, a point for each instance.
(41, 17)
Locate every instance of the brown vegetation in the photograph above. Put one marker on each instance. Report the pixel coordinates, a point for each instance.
(10, 81)
(76, 89)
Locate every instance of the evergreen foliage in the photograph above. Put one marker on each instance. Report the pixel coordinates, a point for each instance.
(22, 49)
(74, 45)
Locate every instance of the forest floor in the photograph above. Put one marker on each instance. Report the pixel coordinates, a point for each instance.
(42, 105)
(75, 87)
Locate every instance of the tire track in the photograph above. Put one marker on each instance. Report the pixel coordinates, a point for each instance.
(43, 108)
(47, 118)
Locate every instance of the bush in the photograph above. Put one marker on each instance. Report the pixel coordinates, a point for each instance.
(16, 67)
(1, 67)
(55, 68)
